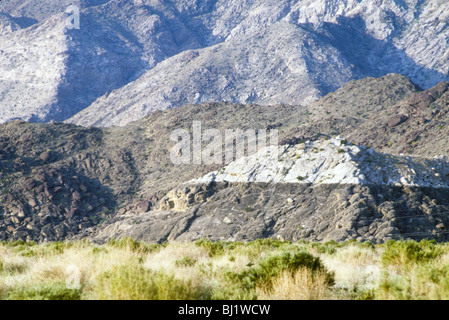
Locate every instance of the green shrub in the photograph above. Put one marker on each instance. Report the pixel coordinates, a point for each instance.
(98, 250)
(185, 262)
(367, 245)
(13, 268)
(28, 252)
(410, 252)
(18, 243)
(55, 291)
(267, 269)
(214, 248)
(254, 249)
(233, 291)
(31, 249)
(269, 243)
(328, 248)
(135, 246)
(58, 247)
(423, 282)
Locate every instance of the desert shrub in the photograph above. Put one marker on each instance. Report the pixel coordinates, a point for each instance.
(423, 282)
(13, 267)
(269, 243)
(138, 283)
(185, 262)
(410, 252)
(232, 291)
(393, 288)
(331, 247)
(31, 249)
(3, 290)
(17, 243)
(255, 249)
(28, 252)
(135, 246)
(51, 291)
(366, 244)
(214, 248)
(251, 249)
(327, 248)
(98, 250)
(301, 285)
(217, 248)
(56, 247)
(20, 246)
(269, 268)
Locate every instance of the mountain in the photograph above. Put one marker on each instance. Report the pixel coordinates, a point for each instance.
(130, 58)
(63, 181)
(320, 191)
(239, 70)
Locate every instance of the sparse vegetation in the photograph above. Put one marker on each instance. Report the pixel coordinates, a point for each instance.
(262, 269)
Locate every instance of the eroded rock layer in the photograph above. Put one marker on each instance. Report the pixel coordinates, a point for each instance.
(248, 211)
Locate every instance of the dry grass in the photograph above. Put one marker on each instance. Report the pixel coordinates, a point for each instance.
(303, 285)
(131, 270)
(354, 267)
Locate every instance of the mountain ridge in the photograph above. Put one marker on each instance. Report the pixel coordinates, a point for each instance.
(113, 59)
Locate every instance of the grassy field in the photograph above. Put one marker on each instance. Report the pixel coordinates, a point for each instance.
(263, 269)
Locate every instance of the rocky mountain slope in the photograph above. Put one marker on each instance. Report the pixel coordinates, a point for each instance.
(130, 58)
(60, 181)
(322, 190)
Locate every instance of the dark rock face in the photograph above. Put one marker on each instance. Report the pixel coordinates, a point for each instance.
(292, 212)
(53, 207)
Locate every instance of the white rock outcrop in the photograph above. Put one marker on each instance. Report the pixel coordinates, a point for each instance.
(333, 161)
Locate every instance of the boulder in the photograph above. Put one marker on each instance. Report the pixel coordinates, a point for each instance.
(143, 206)
(47, 156)
(396, 120)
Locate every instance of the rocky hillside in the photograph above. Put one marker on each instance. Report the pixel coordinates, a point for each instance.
(57, 181)
(130, 58)
(61, 181)
(400, 119)
(322, 190)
